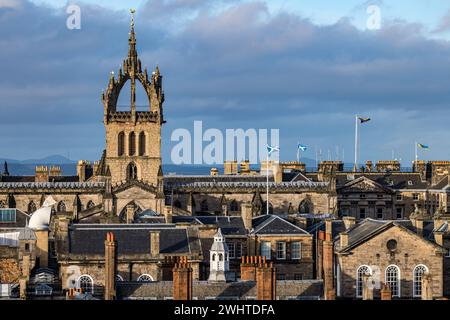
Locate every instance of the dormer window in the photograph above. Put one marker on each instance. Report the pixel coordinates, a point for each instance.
(410, 183)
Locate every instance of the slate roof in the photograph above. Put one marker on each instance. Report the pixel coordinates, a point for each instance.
(273, 224)
(442, 184)
(230, 226)
(338, 226)
(132, 239)
(370, 227)
(387, 179)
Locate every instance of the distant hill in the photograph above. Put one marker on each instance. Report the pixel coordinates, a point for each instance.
(69, 167)
(27, 167)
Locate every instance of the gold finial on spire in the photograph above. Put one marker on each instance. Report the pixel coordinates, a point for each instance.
(132, 11)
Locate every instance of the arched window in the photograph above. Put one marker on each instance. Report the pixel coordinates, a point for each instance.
(141, 143)
(90, 204)
(177, 204)
(131, 172)
(264, 210)
(86, 283)
(204, 205)
(61, 207)
(132, 144)
(305, 207)
(31, 207)
(417, 279)
(214, 257)
(2, 204)
(234, 206)
(121, 144)
(362, 270)
(145, 278)
(392, 278)
(119, 278)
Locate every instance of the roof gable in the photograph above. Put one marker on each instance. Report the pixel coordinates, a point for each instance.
(364, 184)
(273, 224)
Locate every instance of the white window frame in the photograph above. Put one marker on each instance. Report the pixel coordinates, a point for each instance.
(231, 249)
(299, 250)
(359, 283)
(90, 279)
(12, 213)
(266, 246)
(418, 282)
(398, 282)
(283, 251)
(145, 275)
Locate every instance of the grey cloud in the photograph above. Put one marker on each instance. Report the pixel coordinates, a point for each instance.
(235, 67)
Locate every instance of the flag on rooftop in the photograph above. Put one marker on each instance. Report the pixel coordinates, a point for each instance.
(302, 147)
(422, 146)
(271, 149)
(362, 120)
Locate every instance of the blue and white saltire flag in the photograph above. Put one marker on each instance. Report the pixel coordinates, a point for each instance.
(271, 149)
(422, 146)
(302, 147)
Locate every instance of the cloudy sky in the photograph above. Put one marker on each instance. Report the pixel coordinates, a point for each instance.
(303, 66)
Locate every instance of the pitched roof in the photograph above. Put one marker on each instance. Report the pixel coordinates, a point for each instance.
(131, 239)
(274, 224)
(369, 228)
(228, 225)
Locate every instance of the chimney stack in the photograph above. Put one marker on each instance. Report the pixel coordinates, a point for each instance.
(154, 243)
(247, 215)
(328, 256)
(182, 280)
(348, 222)
(110, 266)
(266, 282)
(130, 213)
(386, 293)
(344, 239)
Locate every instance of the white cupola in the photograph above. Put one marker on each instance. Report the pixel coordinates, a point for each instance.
(219, 262)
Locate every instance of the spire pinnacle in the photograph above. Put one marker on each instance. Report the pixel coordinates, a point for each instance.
(5, 169)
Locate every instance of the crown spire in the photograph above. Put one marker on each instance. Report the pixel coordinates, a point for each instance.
(132, 41)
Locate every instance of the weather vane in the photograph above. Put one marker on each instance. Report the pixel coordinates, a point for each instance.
(132, 11)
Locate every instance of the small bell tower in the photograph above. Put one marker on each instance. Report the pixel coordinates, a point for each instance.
(219, 263)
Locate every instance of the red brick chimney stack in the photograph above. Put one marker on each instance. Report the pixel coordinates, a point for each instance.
(182, 280)
(110, 266)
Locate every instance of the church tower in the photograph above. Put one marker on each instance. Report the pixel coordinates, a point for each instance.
(133, 138)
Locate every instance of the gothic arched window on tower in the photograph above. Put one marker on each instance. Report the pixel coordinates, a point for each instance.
(142, 144)
(305, 206)
(204, 206)
(131, 172)
(90, 204)
(61, 207)
(132, 144)
(121, 144)
(31, 207)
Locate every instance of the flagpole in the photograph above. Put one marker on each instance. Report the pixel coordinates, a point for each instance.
(417, 155)
(356, 142)
(267, 195)
(298, 152)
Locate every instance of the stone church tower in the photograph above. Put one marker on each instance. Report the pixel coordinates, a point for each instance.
(133, 138)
